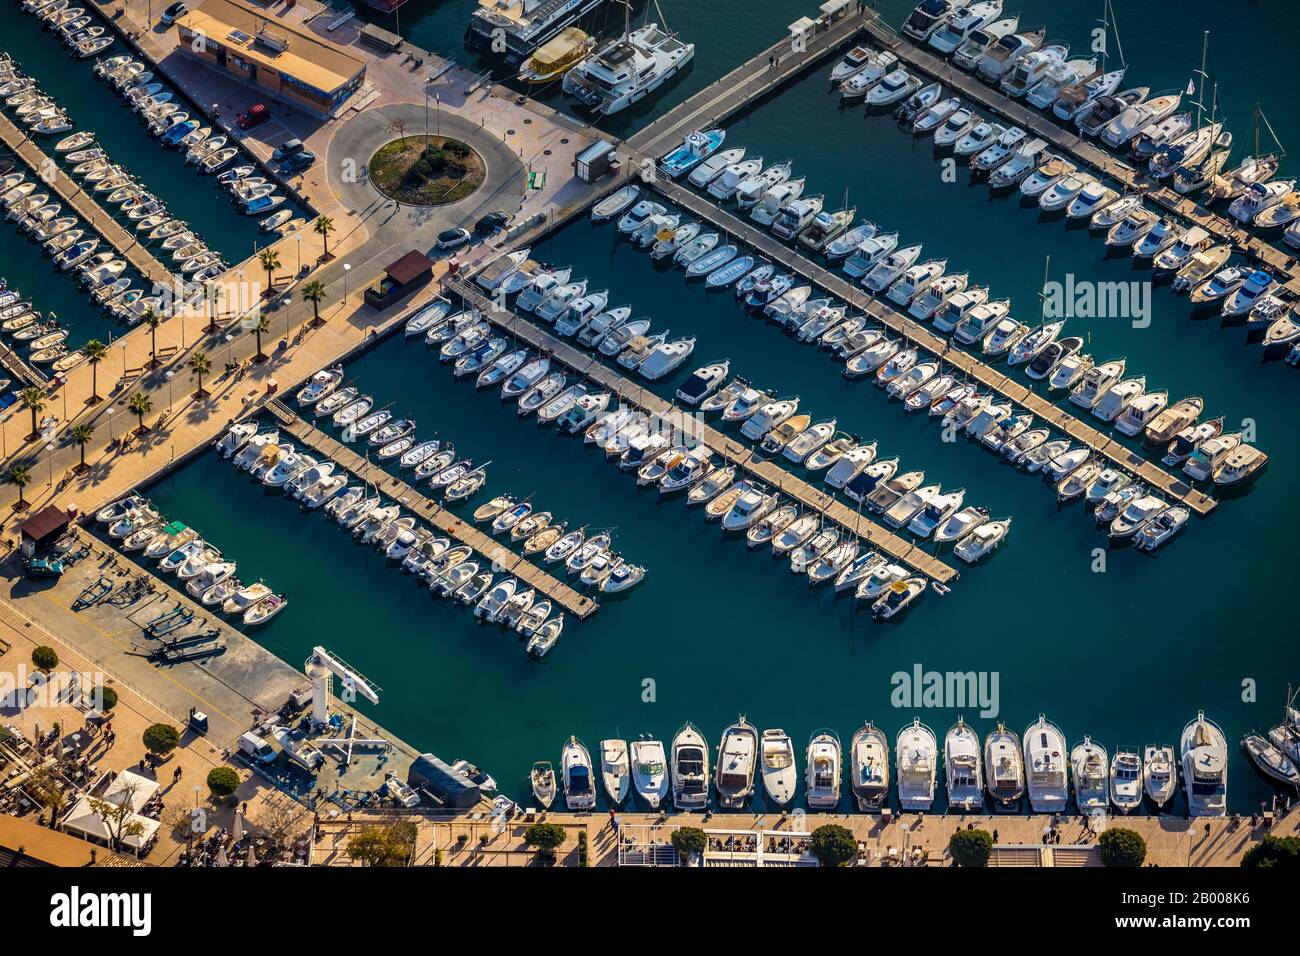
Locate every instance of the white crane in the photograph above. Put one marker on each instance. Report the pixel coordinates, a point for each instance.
(321, 668)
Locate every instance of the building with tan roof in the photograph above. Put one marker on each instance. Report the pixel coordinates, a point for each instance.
(285, 59)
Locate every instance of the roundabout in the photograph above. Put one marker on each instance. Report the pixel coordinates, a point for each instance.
(426, 170)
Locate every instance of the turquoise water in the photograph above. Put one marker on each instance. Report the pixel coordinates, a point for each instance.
(1127, 655)
(93, 105)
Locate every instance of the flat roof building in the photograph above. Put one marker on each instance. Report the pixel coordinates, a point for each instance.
(285, 59)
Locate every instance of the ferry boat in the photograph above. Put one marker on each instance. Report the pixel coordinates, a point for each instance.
(1205, 767)
(523, 25)
(556, 57)
(627, 70)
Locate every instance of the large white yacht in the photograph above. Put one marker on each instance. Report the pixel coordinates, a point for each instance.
(649, 771)
(737, 760)
(1205, 767)
(916, 752)
(1045, 760)
(780, 775)
(628, 69)
(869, 754)
(961, 764)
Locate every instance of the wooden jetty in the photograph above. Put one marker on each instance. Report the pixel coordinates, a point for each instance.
(919, 335)
(433, 514)
(728, 448)
(970, 87)
(751, 81)
(52, 177)
(18, 369)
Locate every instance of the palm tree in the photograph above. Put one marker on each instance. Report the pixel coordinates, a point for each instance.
(32, 399)
(261, 328)
(270, 260)
(212, 294)
(324, 225)
(140, 405)
(200, 365)
(95, 352)
(313, 291)
(21, 477)
(81, 434)
(151, 319)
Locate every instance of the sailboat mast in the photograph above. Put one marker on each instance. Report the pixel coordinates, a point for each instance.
(1200, 100)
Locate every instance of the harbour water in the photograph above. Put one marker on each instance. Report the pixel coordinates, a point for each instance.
(1127, 654)
(92, 105)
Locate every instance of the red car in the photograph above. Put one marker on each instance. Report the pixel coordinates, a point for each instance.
(256, 116)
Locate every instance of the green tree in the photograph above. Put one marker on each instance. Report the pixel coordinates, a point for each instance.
(1273, 852)
(262, 326)
(140, 405)
(161, 739)
(270, 260)
(151, 319)
(689, 840)
(546, 838)
(313, 291)
(834, 845)
(32, 399)
(1121, 847)
(95, 352)
(390, 845)
(45, 657)
(213, 294)
(200, 365)
(971, 847)
(223, 781)
(324, 225)
(108, 698)
(81, 434)
(21, 477)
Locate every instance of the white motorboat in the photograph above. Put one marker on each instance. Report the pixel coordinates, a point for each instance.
(737, 764)
(1045, 759)
(963, 768)
(649, 771)
(576, 774)
(690, 770)
(1159, 773)
(1126, 779)
(1004, 766)
(822, 786)
(615, 770)
(1204, 752)
(917, 758)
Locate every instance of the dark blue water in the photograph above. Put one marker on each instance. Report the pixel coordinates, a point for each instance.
(1127, 655)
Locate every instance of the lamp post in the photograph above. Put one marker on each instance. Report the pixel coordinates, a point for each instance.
(111, 437)
(347, 267)
(297, 238)
(49, 460)
(171, 374)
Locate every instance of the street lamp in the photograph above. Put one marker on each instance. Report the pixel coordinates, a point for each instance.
(171, 374)
(49, 460)
(297, 238)
(111, 437)
(346, 269)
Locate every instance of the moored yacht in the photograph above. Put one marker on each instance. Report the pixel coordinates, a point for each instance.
(962, 768)
(869, 756)
(1205, 767)
(1091, 776)
(649, 771)
(1045, 760)
(777, 763)
(916, 753)
(823, 783)
(690, 769)
(737, 762)
(1126, 779)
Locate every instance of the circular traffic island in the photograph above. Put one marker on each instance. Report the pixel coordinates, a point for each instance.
(427, 170)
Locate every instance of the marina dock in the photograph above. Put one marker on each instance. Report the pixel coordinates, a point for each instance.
(965, 363)
(429, 511)
(19, 370)
(991, 98)
(733, 451)
(91, 212)
(745, 85)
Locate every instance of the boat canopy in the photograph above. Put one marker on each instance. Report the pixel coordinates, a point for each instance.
(558, 51)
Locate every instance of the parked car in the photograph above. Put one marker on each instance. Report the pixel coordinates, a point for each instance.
(492, 222)
(173, 13)
(451, 238)
(286, 149)
(257, 115)
(298, 162)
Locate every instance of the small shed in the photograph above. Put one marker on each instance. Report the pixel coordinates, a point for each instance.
(594, 161)
(401, 278)
(442, 786)
(832, 10)
(44, 528)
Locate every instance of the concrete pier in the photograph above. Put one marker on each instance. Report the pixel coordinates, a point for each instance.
(434, 514)
(50, 176)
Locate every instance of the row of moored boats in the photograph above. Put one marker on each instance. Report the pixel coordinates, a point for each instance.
(1001, 773)
(136, 526)
(77, 30)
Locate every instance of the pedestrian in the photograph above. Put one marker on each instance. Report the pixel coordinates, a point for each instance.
(177, 775)
(995, 836)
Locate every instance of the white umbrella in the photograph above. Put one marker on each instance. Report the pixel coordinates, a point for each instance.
(237, 833)
(252, 860)
(222, 859)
